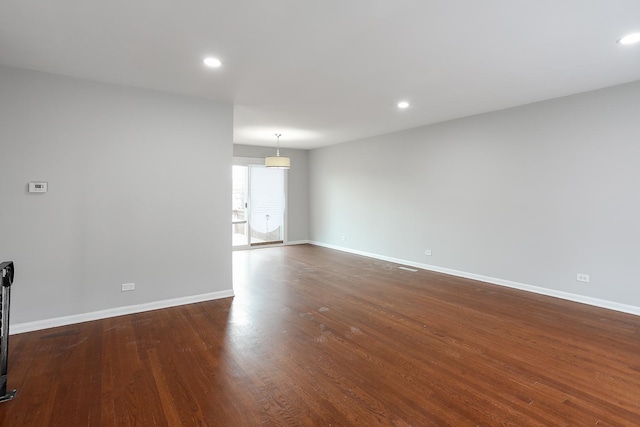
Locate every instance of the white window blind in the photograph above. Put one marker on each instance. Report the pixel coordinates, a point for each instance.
(267, 199)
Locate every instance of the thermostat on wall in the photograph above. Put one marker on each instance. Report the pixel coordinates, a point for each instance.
(37, 187)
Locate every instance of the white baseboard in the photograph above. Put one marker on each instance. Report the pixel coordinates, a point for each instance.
(113, 312)
(297, 242)
(631, 309)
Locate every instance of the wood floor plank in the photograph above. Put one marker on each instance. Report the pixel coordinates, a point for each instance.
(316, 337)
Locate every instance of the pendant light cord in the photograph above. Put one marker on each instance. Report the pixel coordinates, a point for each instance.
(278, 135)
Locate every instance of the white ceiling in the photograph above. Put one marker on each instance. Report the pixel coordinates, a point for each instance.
(327, 71)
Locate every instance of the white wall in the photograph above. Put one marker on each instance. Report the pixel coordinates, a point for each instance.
(139, 191)
(533, 194)
(298, 186)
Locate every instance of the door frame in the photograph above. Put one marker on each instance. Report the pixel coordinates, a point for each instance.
(248, 161)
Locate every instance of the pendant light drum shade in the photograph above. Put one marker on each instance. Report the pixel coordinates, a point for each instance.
(277, 161)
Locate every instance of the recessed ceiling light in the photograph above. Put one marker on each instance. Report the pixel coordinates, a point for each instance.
(212, 62)
(630, 39)
(403, 104)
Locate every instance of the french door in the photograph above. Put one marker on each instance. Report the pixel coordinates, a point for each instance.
(259, 205)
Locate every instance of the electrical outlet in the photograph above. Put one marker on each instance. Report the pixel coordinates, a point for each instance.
(128, 287)
(427, 252)
(582, 278)
(343, 238)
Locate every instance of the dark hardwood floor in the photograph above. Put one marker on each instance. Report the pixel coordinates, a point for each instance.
(316, 337)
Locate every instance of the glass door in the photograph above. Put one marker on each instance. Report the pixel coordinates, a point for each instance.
(240, 206)
(266, 219)
(259, 206)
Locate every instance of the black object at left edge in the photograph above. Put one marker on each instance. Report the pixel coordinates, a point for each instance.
(7, 273)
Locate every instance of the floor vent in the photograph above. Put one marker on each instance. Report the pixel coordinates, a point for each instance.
(413, 270)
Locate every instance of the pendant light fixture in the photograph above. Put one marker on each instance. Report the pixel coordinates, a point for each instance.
(278, 162)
